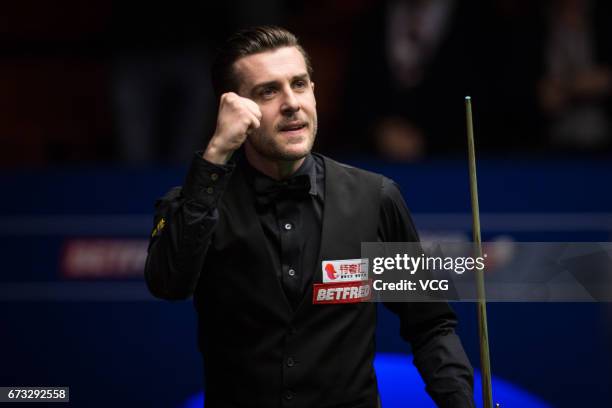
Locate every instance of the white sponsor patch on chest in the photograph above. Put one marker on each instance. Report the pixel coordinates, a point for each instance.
(345, 270)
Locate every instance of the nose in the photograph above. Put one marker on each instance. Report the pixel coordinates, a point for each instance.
(290, 104)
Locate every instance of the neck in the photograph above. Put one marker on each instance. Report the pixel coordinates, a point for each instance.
(276, 169)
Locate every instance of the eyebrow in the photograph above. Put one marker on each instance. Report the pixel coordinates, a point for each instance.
(257, 87)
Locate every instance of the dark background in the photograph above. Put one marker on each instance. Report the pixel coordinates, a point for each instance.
(103, 103)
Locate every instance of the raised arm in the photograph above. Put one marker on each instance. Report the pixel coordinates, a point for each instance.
(185, 217)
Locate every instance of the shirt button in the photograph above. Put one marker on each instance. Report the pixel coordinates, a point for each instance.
(291, 272)
(214, 177)
(289, 395)
(210, 190)
(290, 362)
(288, 226)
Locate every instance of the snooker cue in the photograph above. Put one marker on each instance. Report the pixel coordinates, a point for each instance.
(485, 364)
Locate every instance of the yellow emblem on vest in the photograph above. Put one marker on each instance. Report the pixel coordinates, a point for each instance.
(159, 227)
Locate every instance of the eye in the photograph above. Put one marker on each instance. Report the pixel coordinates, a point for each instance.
(300, 83)
(267, 92)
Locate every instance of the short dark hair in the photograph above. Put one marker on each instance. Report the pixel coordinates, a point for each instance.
(248, 42)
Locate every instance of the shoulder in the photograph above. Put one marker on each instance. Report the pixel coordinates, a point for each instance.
(389, 188)
(174, 194)
(336, 167)
(391, 191)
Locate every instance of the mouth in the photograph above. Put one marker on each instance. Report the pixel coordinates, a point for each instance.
(293, 127)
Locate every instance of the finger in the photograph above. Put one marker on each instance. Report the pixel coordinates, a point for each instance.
(252, 107)
(258, 112)
(254, 124)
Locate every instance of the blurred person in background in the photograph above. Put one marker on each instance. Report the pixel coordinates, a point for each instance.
(162, 94)
(248, 238)
(575, 92)
(415, 60)
(159, 85)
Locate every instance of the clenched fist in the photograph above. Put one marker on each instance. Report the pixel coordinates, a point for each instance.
(237, 117)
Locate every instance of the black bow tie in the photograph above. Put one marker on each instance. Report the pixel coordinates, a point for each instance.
(268, 190)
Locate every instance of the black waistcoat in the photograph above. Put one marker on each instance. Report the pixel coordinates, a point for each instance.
(258, 351)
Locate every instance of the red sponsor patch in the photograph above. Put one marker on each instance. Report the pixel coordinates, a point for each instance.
(343, 292)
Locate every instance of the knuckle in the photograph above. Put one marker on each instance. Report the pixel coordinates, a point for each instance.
(230, 97)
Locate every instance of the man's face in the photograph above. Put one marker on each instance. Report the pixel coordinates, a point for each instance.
(279, 83)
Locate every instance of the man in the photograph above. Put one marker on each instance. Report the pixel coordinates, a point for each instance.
(247, 239)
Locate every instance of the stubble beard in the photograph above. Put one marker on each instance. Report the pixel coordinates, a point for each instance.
(269, 148)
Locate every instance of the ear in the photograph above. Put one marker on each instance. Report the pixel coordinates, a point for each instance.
(312, 84)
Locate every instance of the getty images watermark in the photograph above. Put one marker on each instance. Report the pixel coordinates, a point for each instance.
(513, 271)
